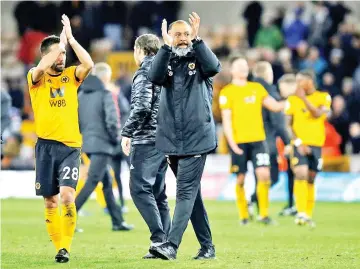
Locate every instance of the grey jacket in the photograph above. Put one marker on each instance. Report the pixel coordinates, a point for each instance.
(5, 110)
(274, 122)
(99, 124)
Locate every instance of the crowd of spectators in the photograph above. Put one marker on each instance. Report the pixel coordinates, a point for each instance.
(324, 36)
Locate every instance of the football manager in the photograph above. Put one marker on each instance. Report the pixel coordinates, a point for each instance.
(184, 67)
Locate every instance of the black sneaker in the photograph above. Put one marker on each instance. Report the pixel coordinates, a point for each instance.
(244, 222)
(205, 253)
(150, 256)
(165, 251)
(123, 227)
(63, 256)
(288, 211)
(266, 221)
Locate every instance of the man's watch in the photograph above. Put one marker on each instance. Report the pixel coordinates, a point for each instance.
(196, 39)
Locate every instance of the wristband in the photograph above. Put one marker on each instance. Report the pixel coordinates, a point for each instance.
(196, 39)
(297, 142)
(72, 40)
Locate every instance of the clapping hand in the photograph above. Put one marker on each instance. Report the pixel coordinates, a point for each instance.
(168, 40)
(194, 20)
(66, 26)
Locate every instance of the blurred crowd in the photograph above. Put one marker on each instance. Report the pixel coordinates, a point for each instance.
(324, 36)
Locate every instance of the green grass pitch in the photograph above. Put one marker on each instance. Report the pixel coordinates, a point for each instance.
(334, 243)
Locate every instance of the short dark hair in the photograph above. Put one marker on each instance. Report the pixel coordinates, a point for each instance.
(48, 41)
(149, 43)
(309, 73)
(176, 22)
(235, 57)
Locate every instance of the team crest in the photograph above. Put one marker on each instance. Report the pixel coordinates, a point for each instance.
(49, 80)
(57, 92)
(191, 66)
(37, 185)
(234, 169)
(65, 79)
(294, 161)
(250, 99)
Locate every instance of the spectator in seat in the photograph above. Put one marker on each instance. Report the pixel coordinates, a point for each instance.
(315, 62)
(269, 35)
(113, 14)
(319, 25)
(328, 84)
(295, 30)
(285, 58)
(252, 14)
(355, 137)
(352, 98)
(300, 54)
(340, 120)
(336, 66)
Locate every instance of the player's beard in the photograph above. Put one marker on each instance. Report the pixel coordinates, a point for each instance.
(181, 51)
(57, 68)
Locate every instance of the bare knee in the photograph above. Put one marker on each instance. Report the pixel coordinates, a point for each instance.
(67, 195)
(263, 174)
(51, 201)
(301, 172)
(240, 179)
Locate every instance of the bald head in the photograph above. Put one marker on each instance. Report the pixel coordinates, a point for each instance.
(178, 22)
(287, 85)
(264, 71)
(180, 31)
(103, 72)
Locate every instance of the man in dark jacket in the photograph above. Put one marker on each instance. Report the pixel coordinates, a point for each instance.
(118, 157)
(274, 122)
(5, 110)
(99, 127)
(184, 66)
(148, 165)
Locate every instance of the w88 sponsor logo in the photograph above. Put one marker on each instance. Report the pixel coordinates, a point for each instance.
(57, 103)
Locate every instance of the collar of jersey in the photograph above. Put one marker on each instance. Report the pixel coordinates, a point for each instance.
(54, 75)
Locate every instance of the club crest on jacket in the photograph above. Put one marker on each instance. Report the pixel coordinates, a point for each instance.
(191, 66)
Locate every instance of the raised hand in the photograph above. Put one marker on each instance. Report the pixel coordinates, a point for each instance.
(168, 40)
(63, 38)
(194, 20)
(300, 92)
(67, 26)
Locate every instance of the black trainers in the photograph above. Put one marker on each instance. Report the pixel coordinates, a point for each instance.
(244, 222)
(267, 221)
(205, 253)
(123, 227)
(63, 256)
(288, 211)
(165, 251)
(150, 256)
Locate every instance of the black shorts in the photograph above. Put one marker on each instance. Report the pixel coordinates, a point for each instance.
(56, 165)
(313, 161)
(256, 152)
